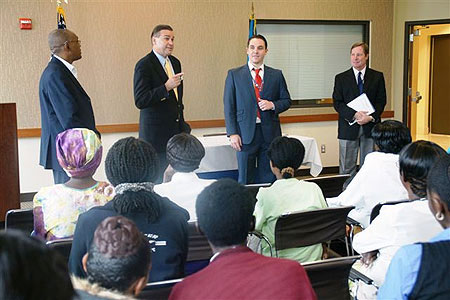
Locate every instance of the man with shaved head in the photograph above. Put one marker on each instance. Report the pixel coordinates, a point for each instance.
(64, 103)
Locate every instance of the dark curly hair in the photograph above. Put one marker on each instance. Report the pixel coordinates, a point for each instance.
(285, 152)
(119, 254)
(184, 152)
(416, 160)
(31, 270)
(391, 136)
(132, 160)
(225, 212)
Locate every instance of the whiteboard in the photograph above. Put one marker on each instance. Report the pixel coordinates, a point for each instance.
(310, 55)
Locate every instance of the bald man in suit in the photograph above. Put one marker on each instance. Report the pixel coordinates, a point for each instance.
(63, 101)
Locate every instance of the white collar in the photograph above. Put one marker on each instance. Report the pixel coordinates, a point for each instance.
(251, 67)
(69, 66)
(363, 72)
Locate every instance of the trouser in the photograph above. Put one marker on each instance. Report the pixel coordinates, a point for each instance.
(253, 162)
(348, 154)
(60, 177)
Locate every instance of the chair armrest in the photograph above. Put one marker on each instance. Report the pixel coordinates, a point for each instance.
(355, 275)
(353, 222)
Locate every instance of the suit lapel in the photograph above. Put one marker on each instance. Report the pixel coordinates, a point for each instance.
(248, 81)
(352, 79)
(367, 79)
(156, 65)
(68, 73)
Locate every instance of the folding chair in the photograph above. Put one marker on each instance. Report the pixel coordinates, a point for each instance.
(376, 209)
(21, 219)
(62, 246)
(329, 278)
(199, 251)
(159, 290)
(254, 188)
(306, 228)
(331, 186)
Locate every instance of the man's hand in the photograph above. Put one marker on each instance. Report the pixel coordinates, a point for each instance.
(362, 117)
(265, 104)
(236, 142)
(174, 81)
(369, 257)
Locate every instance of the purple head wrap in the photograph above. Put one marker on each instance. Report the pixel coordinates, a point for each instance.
(79, 151)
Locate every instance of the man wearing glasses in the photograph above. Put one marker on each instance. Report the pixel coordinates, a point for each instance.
(64, 103)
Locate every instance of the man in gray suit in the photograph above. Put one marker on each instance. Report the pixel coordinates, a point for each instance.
(254, 96)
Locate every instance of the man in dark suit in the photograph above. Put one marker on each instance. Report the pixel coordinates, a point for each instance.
(64, 103)
(158, 93)
(347, 86)
(254, 96)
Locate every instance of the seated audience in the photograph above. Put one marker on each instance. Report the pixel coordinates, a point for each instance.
(131, 166)
(420, 271)
(30, 270)
(56, 208)
(400, 224)
(118, 262)
(224, 212)
(287, 194)
(181, 185)
(378, 179)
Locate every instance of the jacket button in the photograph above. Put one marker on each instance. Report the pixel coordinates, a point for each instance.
(177, 120)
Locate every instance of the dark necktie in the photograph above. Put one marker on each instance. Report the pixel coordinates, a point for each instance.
(258, 87)
(360, 83)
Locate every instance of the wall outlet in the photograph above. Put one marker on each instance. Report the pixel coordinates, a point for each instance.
(323, 149)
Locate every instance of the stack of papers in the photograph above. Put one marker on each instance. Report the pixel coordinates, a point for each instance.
(361, 103)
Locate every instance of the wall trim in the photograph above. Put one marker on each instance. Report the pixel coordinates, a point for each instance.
(116, 128)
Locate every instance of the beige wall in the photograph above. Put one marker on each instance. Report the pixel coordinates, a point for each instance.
(210, 39)
(410, 10)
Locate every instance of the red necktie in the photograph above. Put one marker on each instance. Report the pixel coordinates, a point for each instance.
(258, 87)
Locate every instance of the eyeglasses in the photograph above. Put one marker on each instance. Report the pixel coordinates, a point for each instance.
(73, 41)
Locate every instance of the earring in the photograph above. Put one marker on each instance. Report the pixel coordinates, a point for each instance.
(439, 216)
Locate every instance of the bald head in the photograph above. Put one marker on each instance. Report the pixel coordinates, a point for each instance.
(65, 44)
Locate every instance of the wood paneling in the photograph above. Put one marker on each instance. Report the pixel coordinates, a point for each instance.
(9, 160)
(36, 132)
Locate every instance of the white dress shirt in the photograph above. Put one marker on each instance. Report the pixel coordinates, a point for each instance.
(356, 72)
(396, 225)
(261, 74)
(377, 181)
(183, 190)
(71, 67)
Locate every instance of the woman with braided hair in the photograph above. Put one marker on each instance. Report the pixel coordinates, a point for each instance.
(402, 223)
(132, 166)
(287, 194)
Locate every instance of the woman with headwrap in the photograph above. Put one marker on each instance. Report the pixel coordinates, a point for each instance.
(56, 208)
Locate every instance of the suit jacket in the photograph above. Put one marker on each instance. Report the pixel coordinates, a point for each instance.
(346, 89)
(161, 115)
(240, 103)
(64, 104)
(240, 273)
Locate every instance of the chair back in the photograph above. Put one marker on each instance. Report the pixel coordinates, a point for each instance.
(376, 209)
(159, 290)
(21, 219)
(329, 278)
(305, 228)
(62, 246)
(254, 188)
(331, 186)
(199, 248)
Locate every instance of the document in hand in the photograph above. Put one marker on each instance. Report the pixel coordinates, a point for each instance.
(361, 103)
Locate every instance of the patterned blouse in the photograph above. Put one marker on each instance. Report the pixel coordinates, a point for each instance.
(59, 206)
